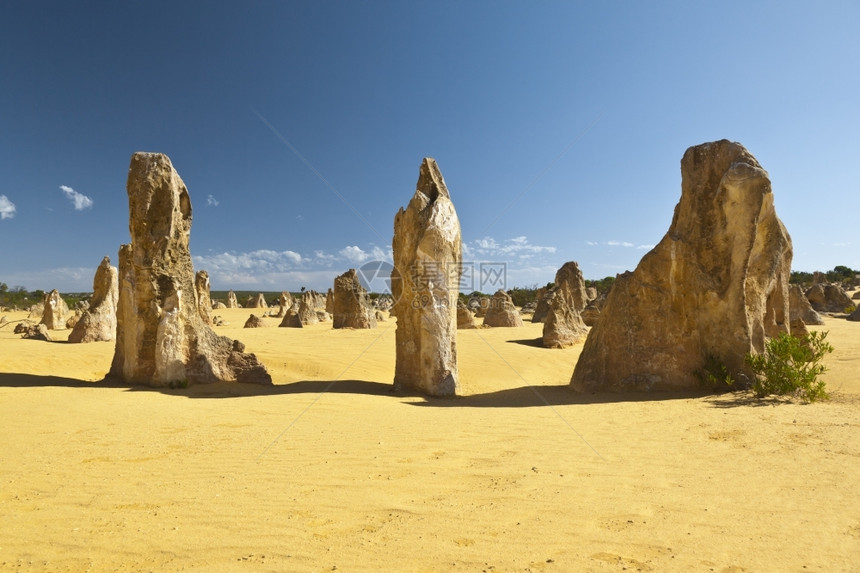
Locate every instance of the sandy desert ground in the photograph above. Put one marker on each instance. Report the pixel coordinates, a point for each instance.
(329, 470)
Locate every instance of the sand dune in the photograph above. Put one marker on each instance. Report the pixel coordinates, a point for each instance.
(330, 470)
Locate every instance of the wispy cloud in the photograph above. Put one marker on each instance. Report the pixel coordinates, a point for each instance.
(285, 269)
(79, 200)
(212, 201)
(515, 247)
(625, 244)
(7, 208)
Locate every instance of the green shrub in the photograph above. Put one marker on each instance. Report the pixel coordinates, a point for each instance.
(715, 373)
(791, 365)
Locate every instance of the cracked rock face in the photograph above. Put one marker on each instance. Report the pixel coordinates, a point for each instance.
(161, 338)
(425, 286)
(713, 288)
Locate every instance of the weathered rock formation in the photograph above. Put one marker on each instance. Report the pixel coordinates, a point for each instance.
(483, 305)
(350, 304)
(306, 312)
(231, 300)
(329, 301)
(713, 288)
(542, 298)
(254, 321)
(828, 298)
(590, 314)
(425, 287)
(563, 325)
(98, 322)
(218, 305)
(33, 331)
(465, 318)
(501, 311)
(258, 301)
(291, 318)
(54, 311)
(800, 311)
(161, 339)
(855, 316)
(285, 301)
(204, 297)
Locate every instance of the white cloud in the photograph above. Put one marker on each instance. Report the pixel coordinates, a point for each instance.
(517, 246)
(620, 244)
(284, 269)
(645, 247)
(212, 201)
(79, 200)
(354, 254)
(7, 208)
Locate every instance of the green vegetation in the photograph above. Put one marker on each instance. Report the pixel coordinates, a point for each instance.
(791, 365)
(840, 274)
(603, 285)
(715, 374)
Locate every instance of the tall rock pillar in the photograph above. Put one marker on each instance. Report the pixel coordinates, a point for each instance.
(425, 287)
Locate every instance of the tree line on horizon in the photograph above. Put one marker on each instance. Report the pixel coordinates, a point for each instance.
(20, 297)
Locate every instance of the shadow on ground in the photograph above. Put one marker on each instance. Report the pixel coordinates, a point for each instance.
(519, 397)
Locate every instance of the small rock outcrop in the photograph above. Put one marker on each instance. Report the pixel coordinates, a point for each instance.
(713, 288)
(501, 311)
(161, 339)
(425, 287)
(306, 311)
(291, 319)
(542, 298)
(563, 325)
(465, 318)
(34, 332)
(285, 301)
(258, 301)
(828, 298)
(54, 311)
(204, 296)
(98, 322)
(855, 316)
(482, 306)
(800, 311)
(350, 304)
(254, 321)
(231, 300)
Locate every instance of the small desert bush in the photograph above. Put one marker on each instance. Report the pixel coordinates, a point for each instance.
(715, 373)
(791, 365)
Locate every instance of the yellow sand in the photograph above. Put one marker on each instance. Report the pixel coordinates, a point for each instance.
(329, 470)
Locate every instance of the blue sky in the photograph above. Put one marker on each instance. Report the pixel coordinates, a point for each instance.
(299, 128)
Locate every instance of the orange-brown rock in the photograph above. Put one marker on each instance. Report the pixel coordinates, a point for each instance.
(713, 288)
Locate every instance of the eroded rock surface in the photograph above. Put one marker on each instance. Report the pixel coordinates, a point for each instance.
(425, 286)
(714, 287)
(351, 308)
(98, 322)
(563, 324)
(161, 339)
(501, 311)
